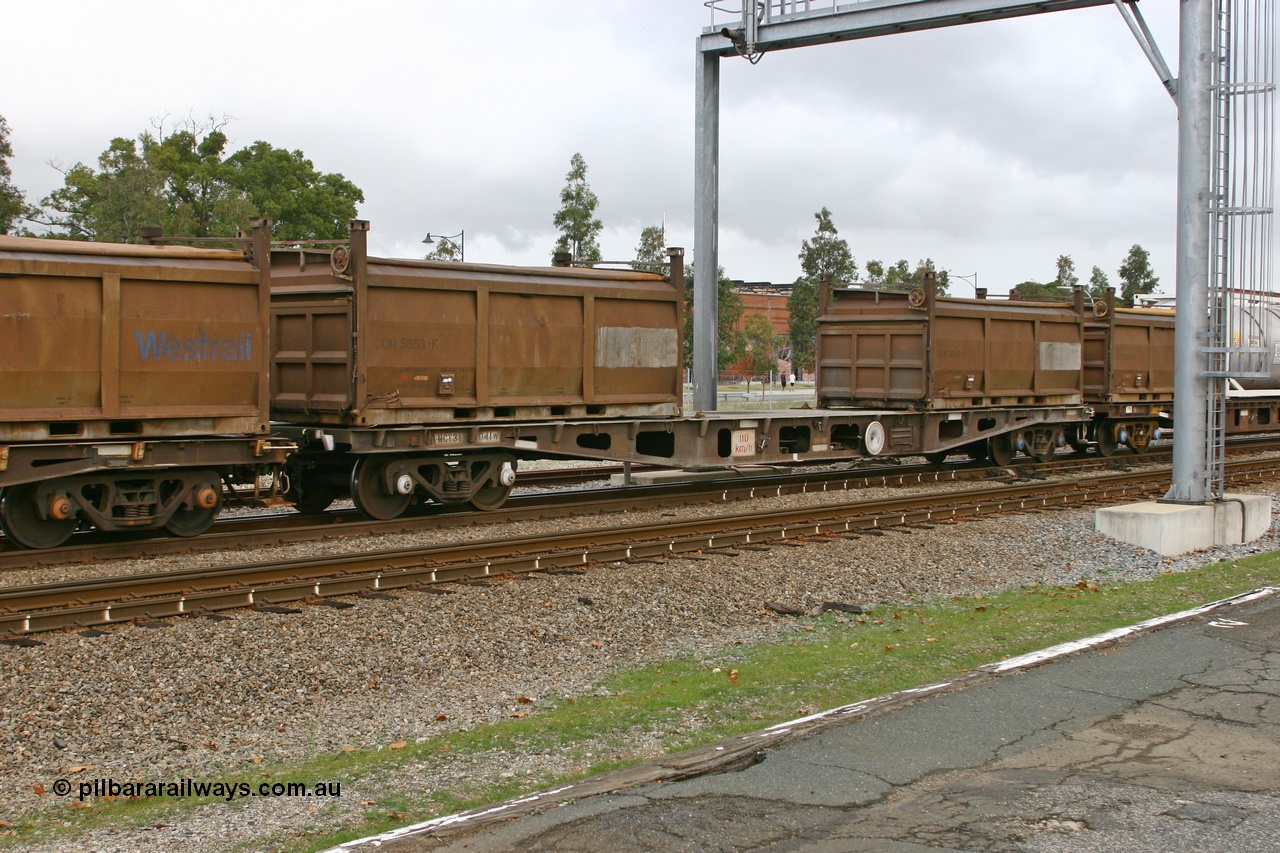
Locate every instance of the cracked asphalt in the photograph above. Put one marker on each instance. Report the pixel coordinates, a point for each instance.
(1167, 742)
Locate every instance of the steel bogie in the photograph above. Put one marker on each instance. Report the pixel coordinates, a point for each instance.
(384, 485)
(44, 514)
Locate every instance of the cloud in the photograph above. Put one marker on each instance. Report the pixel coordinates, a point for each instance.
(993, 147)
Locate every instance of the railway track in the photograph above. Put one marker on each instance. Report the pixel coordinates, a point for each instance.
(283, 528)
(288, 527)
(103, 601)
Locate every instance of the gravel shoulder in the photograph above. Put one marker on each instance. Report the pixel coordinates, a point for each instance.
(199, 698)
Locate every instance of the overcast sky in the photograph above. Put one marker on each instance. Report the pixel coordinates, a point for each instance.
(991, 148)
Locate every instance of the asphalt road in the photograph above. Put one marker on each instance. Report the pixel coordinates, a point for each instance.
(1166, 739)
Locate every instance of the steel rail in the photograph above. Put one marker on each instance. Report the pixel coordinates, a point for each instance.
(100, 601)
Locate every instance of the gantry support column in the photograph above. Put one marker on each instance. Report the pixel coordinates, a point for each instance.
(1191, 333)
(706, 201)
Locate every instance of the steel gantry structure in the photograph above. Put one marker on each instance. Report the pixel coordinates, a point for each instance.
(1207, 182)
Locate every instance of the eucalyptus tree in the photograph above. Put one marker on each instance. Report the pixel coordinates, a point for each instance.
(576, 218)
(1136, 275)
(825, 253)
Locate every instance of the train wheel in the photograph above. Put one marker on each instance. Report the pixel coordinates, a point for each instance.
(368, 494)
(1000, 450)
(1105, 436)
(205, 506)
(22, 522)
(490, 497)
(936, 458)
(495, 492)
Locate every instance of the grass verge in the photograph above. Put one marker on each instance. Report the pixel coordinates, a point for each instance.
(827, 661)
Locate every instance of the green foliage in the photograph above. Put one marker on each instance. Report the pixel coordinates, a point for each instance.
(761, 344)
(1035, 291)
(110, 204)
(579, 229)
(303, 203)
(651, 251)
(802, 304)
(826, 253)
(1098, 284)
(13, 204)
(445, 250)
(1136, 274)
(183, 184)
(901, 276)
(729, 343)
(1066, 277)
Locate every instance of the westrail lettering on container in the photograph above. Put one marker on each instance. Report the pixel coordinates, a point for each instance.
(163, 346)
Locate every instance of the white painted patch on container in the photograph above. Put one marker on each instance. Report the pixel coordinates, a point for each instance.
(618, 346)
(1059, 356)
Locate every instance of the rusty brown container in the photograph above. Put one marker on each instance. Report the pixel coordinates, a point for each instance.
(1128, 355)
(916, 350)
(105, 340)
(362, 341)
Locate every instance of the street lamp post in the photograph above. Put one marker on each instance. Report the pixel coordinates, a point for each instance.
(461, 237)
(965, 278)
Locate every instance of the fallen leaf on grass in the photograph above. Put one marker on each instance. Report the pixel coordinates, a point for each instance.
(398, 744)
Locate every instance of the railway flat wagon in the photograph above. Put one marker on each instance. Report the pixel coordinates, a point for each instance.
(132, 382)
(363, 346)
(987, 365)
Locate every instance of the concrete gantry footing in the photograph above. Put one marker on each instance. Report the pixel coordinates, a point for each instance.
(1171, 529)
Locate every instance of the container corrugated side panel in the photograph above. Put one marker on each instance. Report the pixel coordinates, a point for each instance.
(441, 343)
(874, 350)
(100, 342)
(1005, 353)
(1142, 359)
